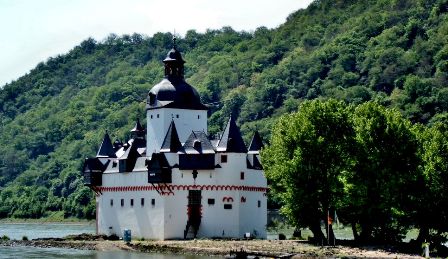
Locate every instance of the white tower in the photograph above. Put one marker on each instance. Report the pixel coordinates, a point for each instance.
(173, 99)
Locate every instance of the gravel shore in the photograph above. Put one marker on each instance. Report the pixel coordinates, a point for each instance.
(267, 248)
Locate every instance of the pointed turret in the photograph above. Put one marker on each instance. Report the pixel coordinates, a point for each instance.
(256, 144)
(106, 148)
(231, 140)
(171, 142)
(138, 130)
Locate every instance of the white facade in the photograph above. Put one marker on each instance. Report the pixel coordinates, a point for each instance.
(158, 121)
(167, 218)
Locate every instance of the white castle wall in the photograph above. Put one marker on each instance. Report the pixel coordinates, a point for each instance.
(158, 122)
(168, 218)
(144, 221)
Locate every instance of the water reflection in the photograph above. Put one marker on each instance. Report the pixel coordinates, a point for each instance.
(36, 252)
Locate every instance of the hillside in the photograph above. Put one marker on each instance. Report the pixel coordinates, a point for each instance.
(395, 52)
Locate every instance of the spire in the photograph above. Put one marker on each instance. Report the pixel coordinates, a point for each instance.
(231, 140)
(256, 144)
(174, 64)
(106, 148)
(171, 142)
(138, 130)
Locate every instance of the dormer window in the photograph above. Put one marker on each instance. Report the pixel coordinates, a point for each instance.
(197, 144)
(151, 98)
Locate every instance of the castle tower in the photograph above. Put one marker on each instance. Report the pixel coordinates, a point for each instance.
(173, 99)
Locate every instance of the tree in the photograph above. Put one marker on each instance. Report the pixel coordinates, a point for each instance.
(384, 187)
(433, 210)
(304, 163)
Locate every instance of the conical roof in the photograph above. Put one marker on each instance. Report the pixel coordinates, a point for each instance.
(171, 142)
(106, 148)
(231, 140)
(138, 130)
(256, 144)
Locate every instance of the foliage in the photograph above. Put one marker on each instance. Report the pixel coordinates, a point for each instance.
(382, 174)
(308, 153)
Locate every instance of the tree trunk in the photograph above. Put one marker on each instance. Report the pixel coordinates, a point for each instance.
(366, 234)
(319, 237)
(423, 235)
(331, 238)
(355, 232)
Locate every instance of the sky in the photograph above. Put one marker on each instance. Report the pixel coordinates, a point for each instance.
(31, 31)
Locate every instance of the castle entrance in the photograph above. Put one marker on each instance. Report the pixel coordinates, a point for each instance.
(194, 212)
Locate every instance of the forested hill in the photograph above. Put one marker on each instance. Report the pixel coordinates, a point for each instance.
(395, 52)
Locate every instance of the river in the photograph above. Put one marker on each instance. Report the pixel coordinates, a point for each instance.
(39, 230)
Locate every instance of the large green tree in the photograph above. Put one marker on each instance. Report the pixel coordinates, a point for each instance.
(306, 160)
(386, 183)
(433, 209)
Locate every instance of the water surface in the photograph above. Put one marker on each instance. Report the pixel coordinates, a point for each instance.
(46, 230)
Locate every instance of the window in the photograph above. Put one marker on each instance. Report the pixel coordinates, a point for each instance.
(153, 202)
(259, 204)
(211, 201)
(122, 202)
(177, 116)
(132, 202)
(227, 206)
(242, 175)
(152, 98)
(199, 116)
(142, 202)
(223, 158)
(111, 202)
(151, 116)
(157, 116)
(114, 164)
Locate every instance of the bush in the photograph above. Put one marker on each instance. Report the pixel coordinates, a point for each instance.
(5, 238)
(25, 238)
(281, 236)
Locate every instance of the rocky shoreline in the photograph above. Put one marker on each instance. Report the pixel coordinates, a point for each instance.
(265, 248)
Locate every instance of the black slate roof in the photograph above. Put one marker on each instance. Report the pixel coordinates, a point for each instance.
(198, 143)
(130, 152)
(106, 149)
(171, 142)
(253, 162)
(174, 56)
(231, 140)
(138, 130)
(256, 144)
(174, 93)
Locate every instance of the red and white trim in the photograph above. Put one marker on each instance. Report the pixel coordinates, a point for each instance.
(171, 188)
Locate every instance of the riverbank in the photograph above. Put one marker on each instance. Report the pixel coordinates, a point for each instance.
(268, 248)
(57, 217)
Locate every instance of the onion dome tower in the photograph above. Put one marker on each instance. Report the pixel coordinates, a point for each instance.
(173, 99)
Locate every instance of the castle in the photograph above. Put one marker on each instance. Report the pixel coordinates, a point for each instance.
(171, 181)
